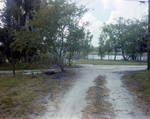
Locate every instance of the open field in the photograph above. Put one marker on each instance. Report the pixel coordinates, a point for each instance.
(109, 62)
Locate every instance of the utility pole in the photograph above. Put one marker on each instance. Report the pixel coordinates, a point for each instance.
(148, 40)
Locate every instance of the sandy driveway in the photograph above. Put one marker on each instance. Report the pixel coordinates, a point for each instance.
(73, 101)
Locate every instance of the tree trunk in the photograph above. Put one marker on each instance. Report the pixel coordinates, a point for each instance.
(101, 56)
(19, 11)
(124, 56)
(87, 56)
(115, 56)
(62, 68)
(141, 56)
(26, 19)
(12, 59)
(69, 62)
(70, 57)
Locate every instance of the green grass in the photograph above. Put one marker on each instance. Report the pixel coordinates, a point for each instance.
(112, 53)
(18, 95)
(108, 62)
(139, 82)
(28, 66)
(24, 66)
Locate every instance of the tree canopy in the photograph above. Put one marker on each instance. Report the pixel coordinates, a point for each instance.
(124, 35)
(45, 26)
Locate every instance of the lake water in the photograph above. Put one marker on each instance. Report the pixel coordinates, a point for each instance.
(111, 57)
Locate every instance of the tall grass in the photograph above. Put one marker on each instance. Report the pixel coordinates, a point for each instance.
(19, 94)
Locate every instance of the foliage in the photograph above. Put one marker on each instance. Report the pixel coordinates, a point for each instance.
(42, 61)
(40, 26)
(101, 48)
(14, 16)
(73, 43)
(78, 41)
(53, 29)
(125, 35)
(86, 43)
(108, 47)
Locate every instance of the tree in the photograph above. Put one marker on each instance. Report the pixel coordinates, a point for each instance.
(108, 47)
(111, 31)
(73, 43)
(86, 43)
(49, 27)
(125, 35)
(101, 48)
(14, 17)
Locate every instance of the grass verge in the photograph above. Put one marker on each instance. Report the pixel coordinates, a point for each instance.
(24, 66)
(28, 66)
(108, 62)
(98, 107)
(21, 96)
(139, 82)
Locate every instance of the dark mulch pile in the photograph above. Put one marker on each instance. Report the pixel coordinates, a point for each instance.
(49, 72)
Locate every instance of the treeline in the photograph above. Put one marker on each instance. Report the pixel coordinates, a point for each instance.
(125, 36)
(33, 27)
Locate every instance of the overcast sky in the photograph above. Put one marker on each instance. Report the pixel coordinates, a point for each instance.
(106, 10)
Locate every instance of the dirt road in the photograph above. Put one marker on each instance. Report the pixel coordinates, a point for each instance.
(72, 103)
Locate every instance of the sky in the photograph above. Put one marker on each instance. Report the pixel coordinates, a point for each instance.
(101, 11)
(107, 10)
